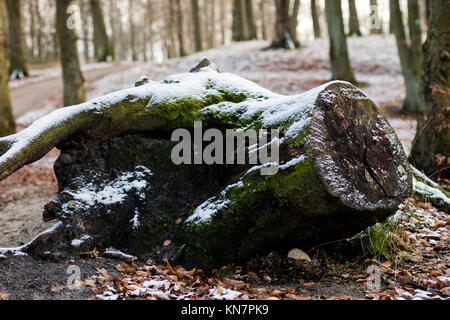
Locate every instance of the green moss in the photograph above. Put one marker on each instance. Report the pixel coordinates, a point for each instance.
(151, 234)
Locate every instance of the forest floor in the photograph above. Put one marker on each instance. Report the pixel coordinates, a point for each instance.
(419, 270)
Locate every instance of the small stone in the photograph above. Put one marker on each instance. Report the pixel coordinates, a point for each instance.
(141, 81)
(298, 254)
(205, 63)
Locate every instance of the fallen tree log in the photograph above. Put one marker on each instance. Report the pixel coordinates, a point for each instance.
(341, 168)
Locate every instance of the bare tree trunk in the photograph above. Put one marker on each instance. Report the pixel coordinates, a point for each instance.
(149, 19)
(7, 124)
(340, 62)
(223, 20)
(415, 36)
(181, 40)
(294, 24)
(197, 25)
(169, 20)
(412, 102)
(74, 91)
(431, 151)
(85, 27)
(17, 60)
(315, 19)
(262, 9)
(132, 31)
(282, 37)
(103, 47)
(375, 22)
(252, 31)
(353, 22)
(240, 21)
(32, 29)
(39, 35)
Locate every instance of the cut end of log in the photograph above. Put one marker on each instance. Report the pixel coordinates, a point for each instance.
(357, 153)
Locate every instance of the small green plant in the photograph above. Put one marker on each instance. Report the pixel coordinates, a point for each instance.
(381, 240)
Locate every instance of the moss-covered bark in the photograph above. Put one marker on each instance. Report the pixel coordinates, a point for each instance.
(431, 150)
(340, 169)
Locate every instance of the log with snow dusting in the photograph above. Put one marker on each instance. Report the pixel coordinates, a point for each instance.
(341, 166)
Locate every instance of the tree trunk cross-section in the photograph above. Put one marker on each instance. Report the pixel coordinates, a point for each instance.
(341, 168)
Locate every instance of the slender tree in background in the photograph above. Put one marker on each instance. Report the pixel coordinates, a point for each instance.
(223, 21)
(315, 19)
(170, 22)
(410, 57)
(353, 22)
(181, 39)
(103, 47)
(39, 32)
(262, 9)
(32, 29)
(133, 48)
(340, 62)
(431, 150)
(294, 23)
(197, 26)
(415, 36)
(252, 30)
(7, 124)
(375, 22)
(286, 25)
(74, 91)
(240, 21)
(16, 44)
(84, 5)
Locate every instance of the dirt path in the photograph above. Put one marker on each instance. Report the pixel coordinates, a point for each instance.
(34, 95)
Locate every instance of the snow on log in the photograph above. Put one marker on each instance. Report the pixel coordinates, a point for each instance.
(341, 168)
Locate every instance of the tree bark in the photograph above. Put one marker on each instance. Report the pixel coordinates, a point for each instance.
(431, 149)
(17, 59)
(74, 91)
(315, 19)
(340, 62)
(7, 124)
(353, 22)
(197, 26)
(103, 47)
(412, 102)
